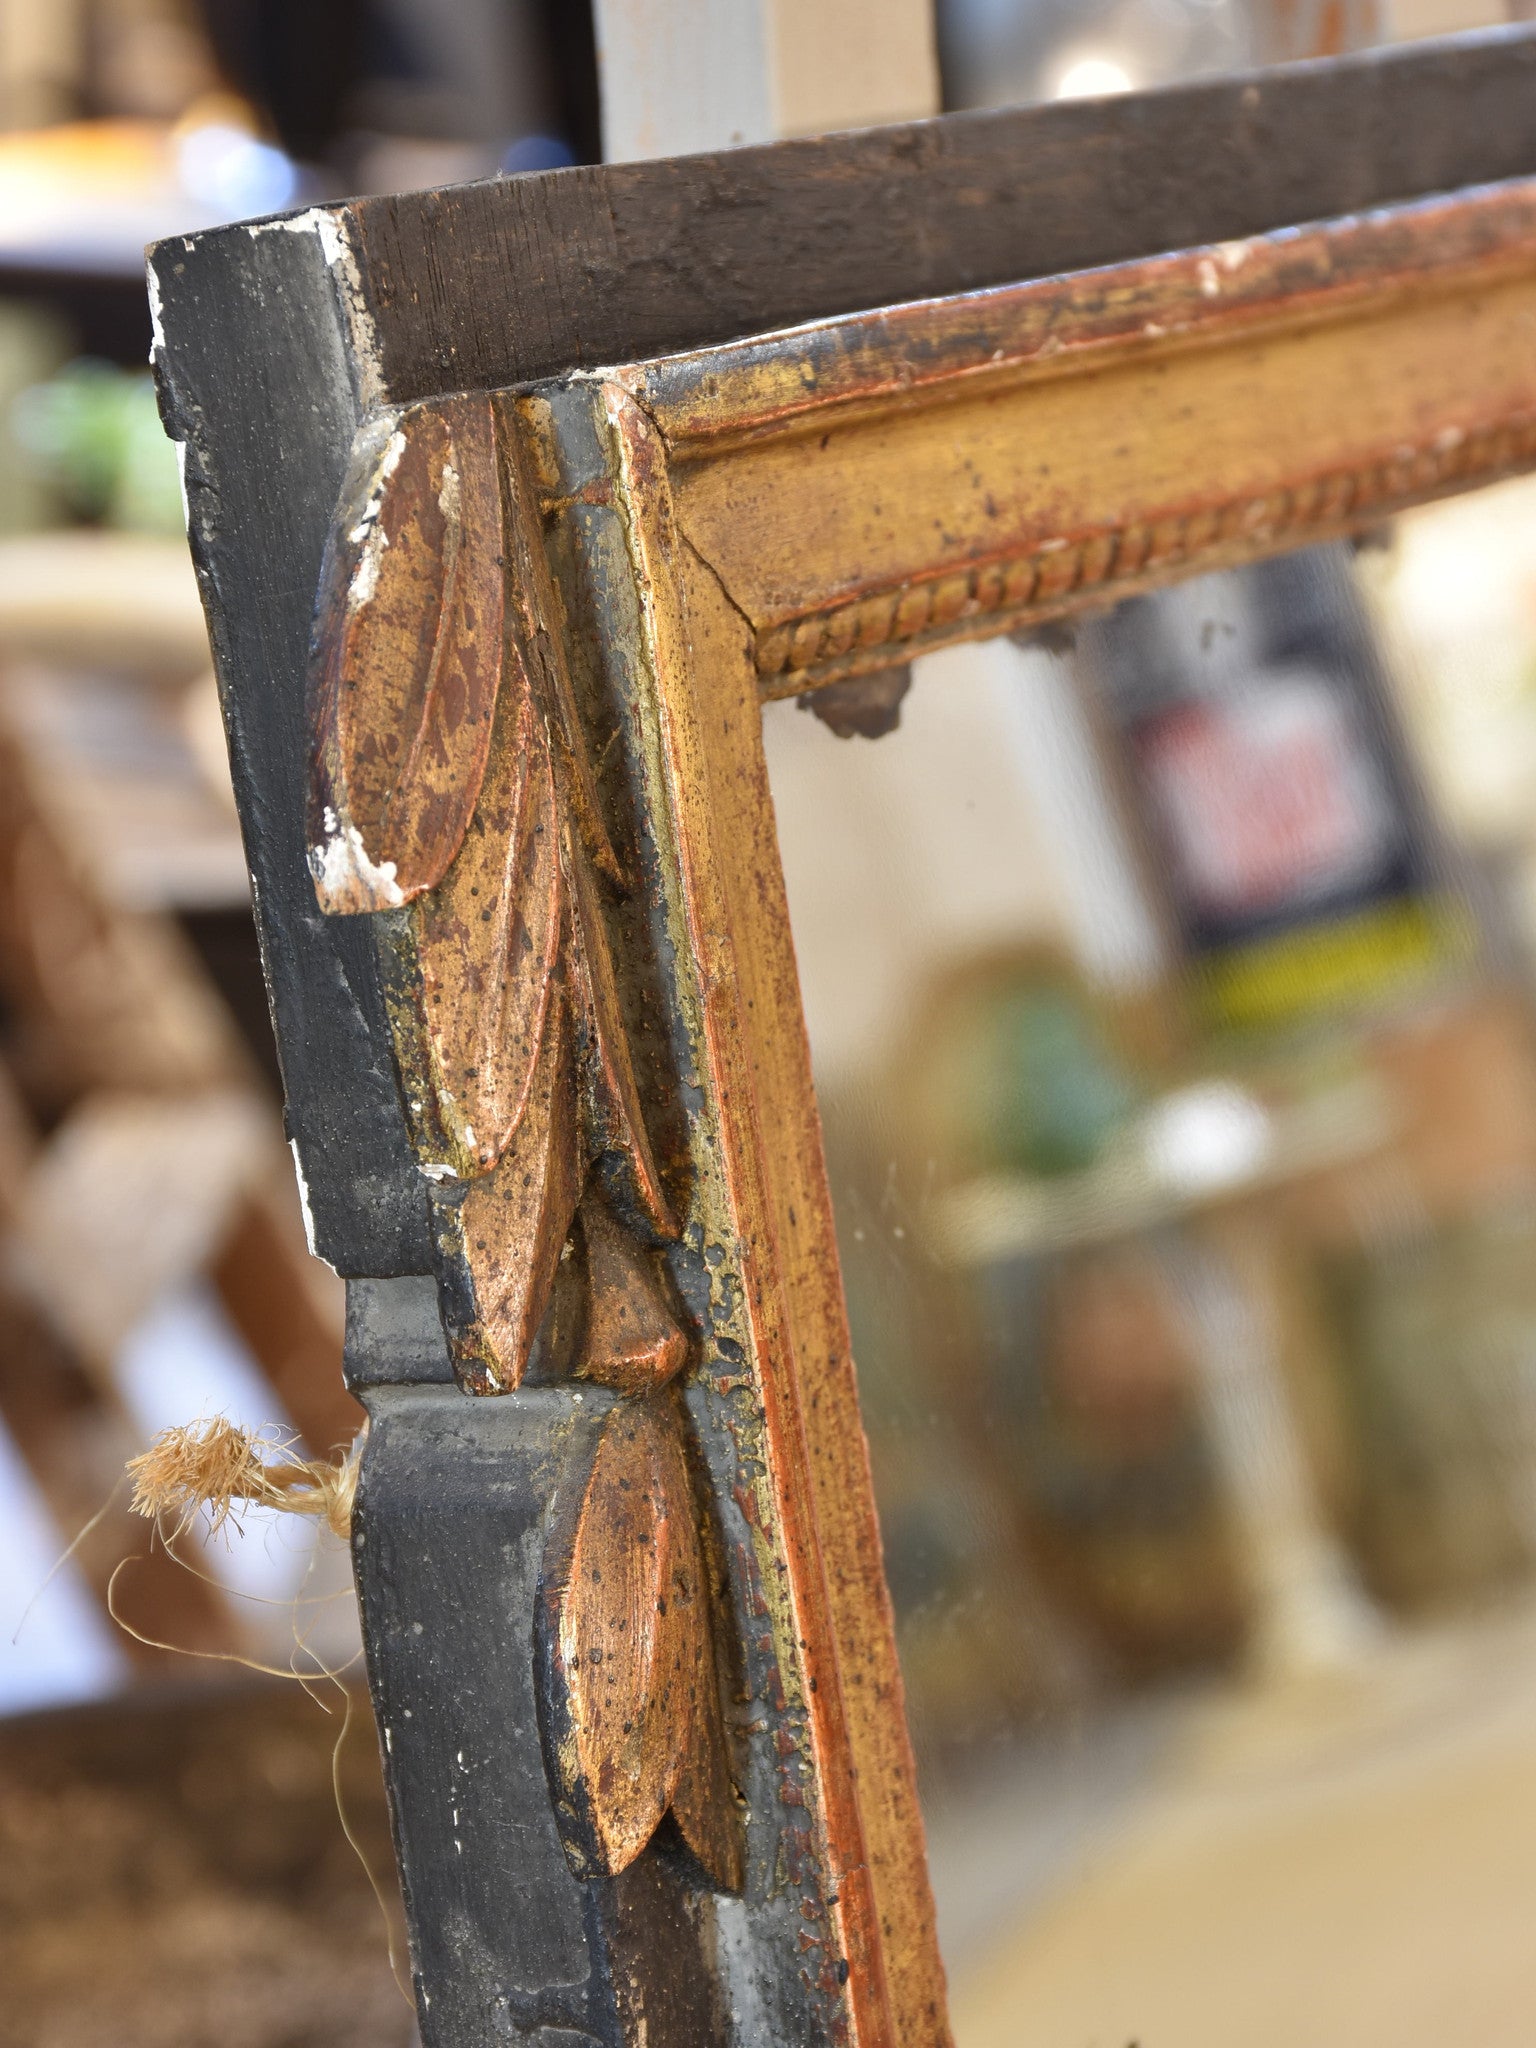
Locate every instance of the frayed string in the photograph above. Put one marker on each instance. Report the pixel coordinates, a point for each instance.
(65, 1555)
(216, 1466)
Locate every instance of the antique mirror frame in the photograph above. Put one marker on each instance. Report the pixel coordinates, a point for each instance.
(584, 469)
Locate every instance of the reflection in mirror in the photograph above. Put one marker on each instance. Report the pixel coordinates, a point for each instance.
(1170, 988)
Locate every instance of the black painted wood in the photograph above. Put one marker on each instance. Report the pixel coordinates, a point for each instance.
(257, 390)
(448, 1535)
(511, 279)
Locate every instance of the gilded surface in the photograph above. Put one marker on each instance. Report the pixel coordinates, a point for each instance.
(626, 1635)
(450, 794)
(451, 800)
(894, 482)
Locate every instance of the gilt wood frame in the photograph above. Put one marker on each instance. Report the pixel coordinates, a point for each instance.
(577, 498)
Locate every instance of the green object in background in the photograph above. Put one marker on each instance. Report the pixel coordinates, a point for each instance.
(32, 345)
(93, 431)
(1045, 1092)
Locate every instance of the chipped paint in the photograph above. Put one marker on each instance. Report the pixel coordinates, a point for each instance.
(325, 225)
(323, 222)
(448, 494)
(369, 533)
(365, 577)
(348, 880)
(156, 321)
(307, 1212)
(388, 463)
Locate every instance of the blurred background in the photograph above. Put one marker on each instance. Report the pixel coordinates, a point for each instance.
(1172, 996)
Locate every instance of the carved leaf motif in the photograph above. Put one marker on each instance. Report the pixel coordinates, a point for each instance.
(482, 957)
(451, 789)
(633, 1340)
(408, 655)
(632, 1703)
(500, 1236)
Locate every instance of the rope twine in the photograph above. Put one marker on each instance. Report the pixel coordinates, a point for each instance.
(216, 1466)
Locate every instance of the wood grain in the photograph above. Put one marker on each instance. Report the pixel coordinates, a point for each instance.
(515, 279)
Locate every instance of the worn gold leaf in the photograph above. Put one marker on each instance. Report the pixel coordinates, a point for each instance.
(500, 1236)
(619, 1125)
(632, 1706)
(408, 655)
(633, 1340)
(478, 958)
(451, 790)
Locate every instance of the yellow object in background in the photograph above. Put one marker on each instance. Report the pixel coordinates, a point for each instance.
(1378, 952)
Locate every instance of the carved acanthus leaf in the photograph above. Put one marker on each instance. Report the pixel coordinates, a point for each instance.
(451, 789)
(499, 1236)
(475, 962)
(452, 796)
(631, 1696)
(408, 655)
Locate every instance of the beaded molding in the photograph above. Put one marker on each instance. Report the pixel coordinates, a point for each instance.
(878, 628)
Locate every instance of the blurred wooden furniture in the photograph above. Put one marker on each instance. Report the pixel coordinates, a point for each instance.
(577, 494)
(141, 1149)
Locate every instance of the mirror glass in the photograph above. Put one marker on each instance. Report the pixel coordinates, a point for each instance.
(1171, 987)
